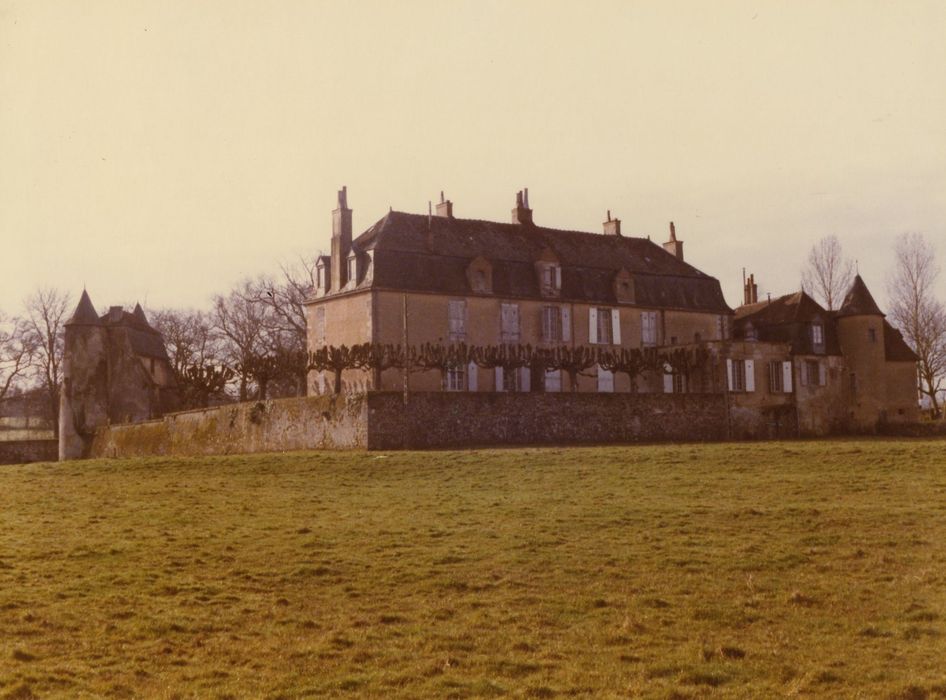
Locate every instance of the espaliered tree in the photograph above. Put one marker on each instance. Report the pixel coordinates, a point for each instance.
(630, 361)
(509, 357)
(336, 360)
(377, 358)
(197, 383)
(571, 360)
(443, 358)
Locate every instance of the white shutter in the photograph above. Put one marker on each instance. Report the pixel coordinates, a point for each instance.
(592, 325)
(822, 374)
(553, 380)
(729, 374)
(668, 383)
(605, 380)
(558, 277)
(525, 378)
(471, 376)
(498, 378)
(616, 326)
(566, 324)
(787, 377)
(750, 375)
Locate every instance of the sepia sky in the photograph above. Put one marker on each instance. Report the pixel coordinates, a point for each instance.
(159, 151)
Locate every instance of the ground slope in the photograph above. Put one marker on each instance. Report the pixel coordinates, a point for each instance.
(736, 570)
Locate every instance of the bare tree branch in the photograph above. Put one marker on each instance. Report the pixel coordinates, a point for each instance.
(46, 310)
(827, 274)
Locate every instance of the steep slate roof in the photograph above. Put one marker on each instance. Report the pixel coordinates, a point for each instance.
(858, 301)
(144, 339)
(420, 253)
(895, 347)
(788, 319)
(85, 312)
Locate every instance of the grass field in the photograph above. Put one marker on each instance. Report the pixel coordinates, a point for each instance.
(736, 570)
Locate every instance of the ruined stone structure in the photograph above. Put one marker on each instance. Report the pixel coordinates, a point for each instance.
(786, 366)
(115, 370)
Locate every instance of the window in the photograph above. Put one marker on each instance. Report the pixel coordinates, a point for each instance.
(553, 380)
(815, 374)
(320, 325)
(479, 281)
(722, 327)
(353, 269)
(817, 334)
(510, 380)
(456, 378)
(740, 375)
(509, 323)
(679, 383)
(604, 326)
(752, 334)
(456, 320)
(872, 335)
(776, 378)
(319, 277)
(555, 324)
(648, 328)
(550, 278)
(605, 380)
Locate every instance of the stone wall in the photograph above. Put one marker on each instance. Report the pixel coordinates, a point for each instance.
(314, 422)
(22, 451)
(462, 419)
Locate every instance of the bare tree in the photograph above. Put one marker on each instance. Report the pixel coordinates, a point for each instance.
(827, 274)
(242, 325)
(919, 315)
(16, 352)
(46, 310)
(189, 337)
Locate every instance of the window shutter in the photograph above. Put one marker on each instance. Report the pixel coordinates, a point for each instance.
(616, 326)
(498, 378)
(471, 377)
(668, 383)
(566, 324)
(605, 380)
(558, 277)
(729, 374)
(525, 378)
(787, 377)
(822, 374)
(592, 325)
(750, 375)
(546, 314)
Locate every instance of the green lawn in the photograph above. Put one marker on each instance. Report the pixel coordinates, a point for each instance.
(731, 570)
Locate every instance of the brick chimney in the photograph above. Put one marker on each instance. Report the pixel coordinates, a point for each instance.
(341, 241)
(673, 246)
(750, 290)
(522, 214)
(612, 227)
(444, 207)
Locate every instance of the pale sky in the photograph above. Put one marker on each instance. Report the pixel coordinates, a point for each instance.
(159, 151)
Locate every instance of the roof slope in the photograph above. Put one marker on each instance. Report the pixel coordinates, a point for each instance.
(895, 347)
(421, 253)
(858, 301)
(85, 312)
(788, 319)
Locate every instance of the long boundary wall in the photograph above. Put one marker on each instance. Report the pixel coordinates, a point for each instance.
(383, 421)
(23, 451)
(314, 422)
(446, 419)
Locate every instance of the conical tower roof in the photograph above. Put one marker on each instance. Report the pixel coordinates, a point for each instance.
(858, 301)
(139, 313)
(85, 313)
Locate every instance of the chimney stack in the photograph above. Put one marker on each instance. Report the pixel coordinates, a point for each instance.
(522, 214)
(445, 207)
(673, 246)
(612, 227)
(750, 291)
(341, 240)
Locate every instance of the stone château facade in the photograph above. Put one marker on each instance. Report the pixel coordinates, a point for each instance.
(411, 279)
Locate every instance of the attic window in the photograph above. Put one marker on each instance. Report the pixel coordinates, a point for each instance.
(550, 278)
(817, 334)
(353, 269)
(479, 281)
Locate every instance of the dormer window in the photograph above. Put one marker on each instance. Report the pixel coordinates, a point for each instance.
(353, 270)
(550, 279)
(479, 274)
(752, 334)
(817, 337)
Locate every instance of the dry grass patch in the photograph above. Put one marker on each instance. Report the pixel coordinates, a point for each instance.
(809, 569)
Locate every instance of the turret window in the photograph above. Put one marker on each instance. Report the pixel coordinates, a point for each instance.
(872, 335)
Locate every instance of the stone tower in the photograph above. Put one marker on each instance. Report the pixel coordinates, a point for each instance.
(83, 403)
(861, 335)
(115, 370)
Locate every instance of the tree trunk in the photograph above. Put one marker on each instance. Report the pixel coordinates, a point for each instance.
(337, 383)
